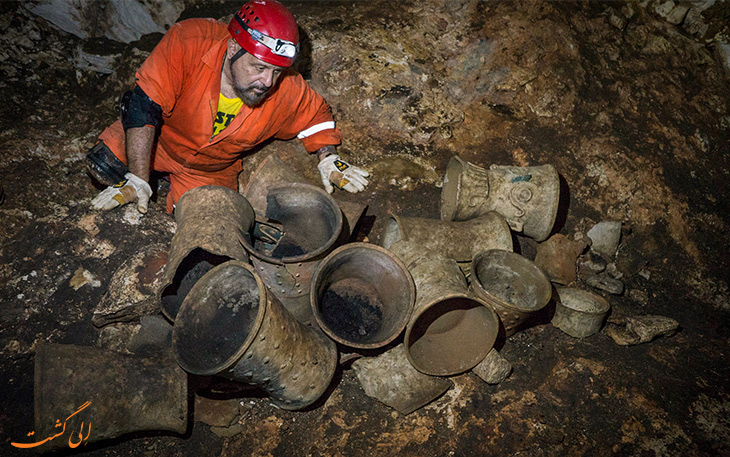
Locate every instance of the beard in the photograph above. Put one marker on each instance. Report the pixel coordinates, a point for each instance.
(251, 95)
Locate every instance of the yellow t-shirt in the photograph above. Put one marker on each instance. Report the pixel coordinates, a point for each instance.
(227, 110)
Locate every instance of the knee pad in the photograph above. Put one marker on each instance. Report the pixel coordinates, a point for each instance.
(103, 165)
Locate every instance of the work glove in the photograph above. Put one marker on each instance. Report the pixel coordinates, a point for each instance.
(132, 189)
(334, 170)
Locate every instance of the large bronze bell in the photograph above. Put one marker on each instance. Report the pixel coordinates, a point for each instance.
(362, 295)
(230, 325)
(211, 225)
(527, 197)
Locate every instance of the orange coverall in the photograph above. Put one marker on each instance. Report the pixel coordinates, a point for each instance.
(182, 75)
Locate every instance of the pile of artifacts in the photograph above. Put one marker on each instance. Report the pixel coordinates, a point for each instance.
(266, 288)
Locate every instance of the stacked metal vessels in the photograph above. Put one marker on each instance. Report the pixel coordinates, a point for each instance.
(254, 323)
(211, 225)
(471, 289)
(268, 294)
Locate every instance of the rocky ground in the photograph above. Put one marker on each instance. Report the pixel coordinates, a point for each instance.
(628, 100)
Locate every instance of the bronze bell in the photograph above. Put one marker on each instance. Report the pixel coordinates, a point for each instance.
(527, 197)
(211, 224)
(230, 325)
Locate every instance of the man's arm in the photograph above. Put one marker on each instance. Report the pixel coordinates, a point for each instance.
(139, 141)
(141, 118)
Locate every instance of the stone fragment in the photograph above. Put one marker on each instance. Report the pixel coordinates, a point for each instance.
(391, 379)
(641, 329)
(99, 63)
(613, 271)
(216, 413)
(493, 369)
(629, 10)
(133, 287)
(664, 8)
(677, 15)
(605, 283)
(639, 296)
(82, 277)
(226, 432)
(557, 257)
(616, 20)
(590, 264)
(154, 336)
(605, 237)
(649, 327)
(116, 336)
(694, 23)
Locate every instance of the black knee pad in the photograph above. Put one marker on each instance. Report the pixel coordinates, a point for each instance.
(103, 165)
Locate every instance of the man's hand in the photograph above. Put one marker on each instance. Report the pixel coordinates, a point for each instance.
(334, 170)
(132, 189)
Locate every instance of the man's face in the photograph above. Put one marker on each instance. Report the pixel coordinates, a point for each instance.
(253, 79)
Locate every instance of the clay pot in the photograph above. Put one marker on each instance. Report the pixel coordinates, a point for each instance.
(512, 285)
(579, 313)
(450, 330)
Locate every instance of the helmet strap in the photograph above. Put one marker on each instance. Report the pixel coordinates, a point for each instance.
(237, 55)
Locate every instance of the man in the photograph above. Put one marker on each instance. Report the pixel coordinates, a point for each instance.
(204, 96)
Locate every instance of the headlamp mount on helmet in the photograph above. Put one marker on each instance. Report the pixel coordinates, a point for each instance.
(278, 46)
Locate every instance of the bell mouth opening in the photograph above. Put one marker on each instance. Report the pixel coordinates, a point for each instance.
(511, 280)
(219, 319)
(311, 223)
(451, 336)
(362, 296)
(193, 267)
(451, 188)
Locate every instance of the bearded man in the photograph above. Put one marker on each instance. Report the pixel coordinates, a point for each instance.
(207, 94)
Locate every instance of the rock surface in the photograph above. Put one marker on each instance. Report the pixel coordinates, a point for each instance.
(119, 20)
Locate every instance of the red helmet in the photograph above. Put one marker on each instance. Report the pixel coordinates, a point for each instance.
(267, 30)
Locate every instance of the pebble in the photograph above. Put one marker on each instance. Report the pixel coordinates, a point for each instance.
(493, 369)
(605, 237)
(606, 283)
(641, 329)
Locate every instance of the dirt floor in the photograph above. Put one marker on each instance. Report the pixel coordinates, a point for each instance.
(632, 110)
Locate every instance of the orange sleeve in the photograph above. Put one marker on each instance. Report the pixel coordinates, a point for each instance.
(161, 74)
(312, 120)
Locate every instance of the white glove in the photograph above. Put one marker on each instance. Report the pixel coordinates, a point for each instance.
(332, 169)
(132, 189)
